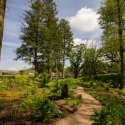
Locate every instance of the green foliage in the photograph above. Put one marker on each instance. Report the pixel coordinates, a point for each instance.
(58, 84)
(22, 72)
(113, 113)
(4, 84)
(66, 41)
(77, 58)
(66, 100)
(24, 80)
(29, 92)
(75, 102)
(92, 64)
(6, 73)
(43, 106)
(107, 77)
(100, 116)
(113, 33)
(43, 79)
(70, 93)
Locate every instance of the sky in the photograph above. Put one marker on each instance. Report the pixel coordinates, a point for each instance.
(81, 14)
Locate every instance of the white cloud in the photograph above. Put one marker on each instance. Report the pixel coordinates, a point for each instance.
(86, 19)
(11, 44)
(89, 43)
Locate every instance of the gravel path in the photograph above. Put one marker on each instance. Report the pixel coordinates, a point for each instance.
(82, 116)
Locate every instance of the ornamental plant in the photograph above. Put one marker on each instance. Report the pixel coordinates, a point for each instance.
(62, 86)
(43, 107)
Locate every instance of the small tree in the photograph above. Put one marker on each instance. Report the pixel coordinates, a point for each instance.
(77, 59)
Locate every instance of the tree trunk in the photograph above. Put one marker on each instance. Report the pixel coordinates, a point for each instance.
(2, 14)
(35, 62)
(57, 71)
(120, 34)
(63, 71)
(64, 91)
(75, 74)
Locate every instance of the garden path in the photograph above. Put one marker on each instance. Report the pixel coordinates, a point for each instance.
(82, 116)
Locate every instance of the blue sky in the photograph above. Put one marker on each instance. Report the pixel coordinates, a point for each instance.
(80, 13)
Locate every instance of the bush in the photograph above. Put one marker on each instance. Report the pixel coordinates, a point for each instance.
(43, 106)
(63, 85)
(6, 73)
(112, 114)
(114, 79)
(43, 79)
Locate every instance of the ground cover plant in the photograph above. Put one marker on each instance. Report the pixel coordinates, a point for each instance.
(24, 101)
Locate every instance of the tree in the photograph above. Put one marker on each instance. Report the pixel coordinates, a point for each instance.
(2, 15)
(33, 34)
(52, 39)
(66, 40)
(77, 59)
(41, 36)
(91, 57)
(112, 21)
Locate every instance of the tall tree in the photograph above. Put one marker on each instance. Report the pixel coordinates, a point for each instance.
(67, 41)
(32, 35)
(111, 20)
(2, 15)
(41, 36)
(52, 36)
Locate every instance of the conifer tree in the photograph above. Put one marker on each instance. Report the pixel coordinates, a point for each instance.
(67, 41)
(32, 35)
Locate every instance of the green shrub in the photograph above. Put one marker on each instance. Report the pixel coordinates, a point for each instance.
(43, 79)
(63, 86)
(112, 114)
(70, 93)
(66, 101)
(113, 78)
(43, 106)
(75, 102)
(100, 116)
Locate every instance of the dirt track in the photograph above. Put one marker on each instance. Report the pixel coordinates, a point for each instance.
(82, 116)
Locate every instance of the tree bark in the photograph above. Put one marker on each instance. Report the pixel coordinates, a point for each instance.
(2, 15)
(120, 34)
(64, 91)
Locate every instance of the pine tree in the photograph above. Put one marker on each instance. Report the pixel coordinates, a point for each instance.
(32, 35)
(41, 36)
(67, 41)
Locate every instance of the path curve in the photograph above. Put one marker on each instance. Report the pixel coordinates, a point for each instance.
(82, 116)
